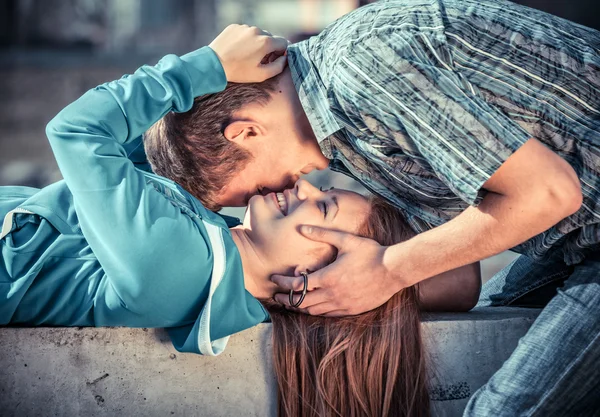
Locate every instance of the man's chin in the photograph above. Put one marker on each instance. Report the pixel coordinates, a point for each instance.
(234, 201)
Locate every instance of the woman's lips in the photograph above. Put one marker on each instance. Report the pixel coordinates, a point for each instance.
(274, 198)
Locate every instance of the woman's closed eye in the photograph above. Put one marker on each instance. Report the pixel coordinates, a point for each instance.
(324, 207)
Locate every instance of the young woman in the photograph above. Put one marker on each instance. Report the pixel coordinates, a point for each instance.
(368, 365)
(372, 364)
(113, 245)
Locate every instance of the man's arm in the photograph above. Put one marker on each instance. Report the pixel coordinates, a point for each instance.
(455, 290)
(532, 191)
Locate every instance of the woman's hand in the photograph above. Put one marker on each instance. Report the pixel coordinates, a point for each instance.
(249, 54)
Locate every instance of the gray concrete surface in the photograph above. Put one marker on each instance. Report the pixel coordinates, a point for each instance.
(136, 372)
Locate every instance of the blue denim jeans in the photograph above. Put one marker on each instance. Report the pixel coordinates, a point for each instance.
(555, 369)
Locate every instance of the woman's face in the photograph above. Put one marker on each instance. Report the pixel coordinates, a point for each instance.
(273, 223)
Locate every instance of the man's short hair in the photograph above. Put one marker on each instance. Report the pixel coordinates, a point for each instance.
(191, 149)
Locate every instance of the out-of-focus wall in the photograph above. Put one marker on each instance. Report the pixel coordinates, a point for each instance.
(52, 51)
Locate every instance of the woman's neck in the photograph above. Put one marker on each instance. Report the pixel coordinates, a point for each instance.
(256, 271)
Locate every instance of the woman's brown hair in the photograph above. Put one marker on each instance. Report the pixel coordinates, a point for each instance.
(366, 365)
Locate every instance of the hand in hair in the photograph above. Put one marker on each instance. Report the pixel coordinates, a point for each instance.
(358, 280)
(249, 54)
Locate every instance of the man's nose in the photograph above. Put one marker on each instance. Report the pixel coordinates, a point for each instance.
(294, 179)
(319, 165)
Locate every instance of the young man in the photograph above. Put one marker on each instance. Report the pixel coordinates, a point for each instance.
(481, 120)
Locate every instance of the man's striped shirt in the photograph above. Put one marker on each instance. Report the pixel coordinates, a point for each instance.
(423, 100)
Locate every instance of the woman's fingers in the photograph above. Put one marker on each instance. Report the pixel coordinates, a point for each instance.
(242, 50)
(277, 43)
(273, 68)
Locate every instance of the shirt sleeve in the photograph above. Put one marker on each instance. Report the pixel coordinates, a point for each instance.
(150, 251)
(402, 84)
(137, 154)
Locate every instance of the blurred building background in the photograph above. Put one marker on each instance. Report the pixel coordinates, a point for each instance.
(52, 51)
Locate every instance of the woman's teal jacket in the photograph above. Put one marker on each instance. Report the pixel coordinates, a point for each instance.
(114, 245)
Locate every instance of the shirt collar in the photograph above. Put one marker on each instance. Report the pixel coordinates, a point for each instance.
(312, 92)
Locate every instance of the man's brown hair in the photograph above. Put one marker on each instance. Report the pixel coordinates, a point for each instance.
(191, 149)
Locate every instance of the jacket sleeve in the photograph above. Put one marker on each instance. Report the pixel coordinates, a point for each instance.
(149, 250)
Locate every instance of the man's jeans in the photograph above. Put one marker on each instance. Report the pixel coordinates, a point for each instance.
(555, 369)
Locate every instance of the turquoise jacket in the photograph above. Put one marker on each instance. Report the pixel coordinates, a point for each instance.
(115, 245)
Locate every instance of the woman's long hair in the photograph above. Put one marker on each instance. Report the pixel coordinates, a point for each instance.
(366, 365)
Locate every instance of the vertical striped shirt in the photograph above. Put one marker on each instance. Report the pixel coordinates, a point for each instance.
(423, 100)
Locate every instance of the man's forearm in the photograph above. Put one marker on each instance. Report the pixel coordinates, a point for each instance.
(497, 224)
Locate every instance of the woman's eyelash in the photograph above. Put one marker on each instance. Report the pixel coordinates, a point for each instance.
(321, 188)
(325, 209)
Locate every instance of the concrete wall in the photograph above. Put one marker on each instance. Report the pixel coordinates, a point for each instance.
(136, 372)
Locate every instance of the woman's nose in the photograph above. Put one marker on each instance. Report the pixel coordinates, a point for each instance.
(305, 189)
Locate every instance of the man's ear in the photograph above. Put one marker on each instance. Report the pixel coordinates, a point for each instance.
(241, 130)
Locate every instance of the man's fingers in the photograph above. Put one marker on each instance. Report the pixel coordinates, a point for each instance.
(288, 283)
(295, 283)
(333, 237)
(325, 309)
(311, 299)
(335, 313)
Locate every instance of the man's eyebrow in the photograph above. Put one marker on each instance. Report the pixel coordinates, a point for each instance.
(334, 198)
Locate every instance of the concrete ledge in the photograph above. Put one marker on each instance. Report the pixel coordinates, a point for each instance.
(118, 371)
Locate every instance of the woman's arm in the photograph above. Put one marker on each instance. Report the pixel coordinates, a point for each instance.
(455, 290)
(146, 246)
(135, 233)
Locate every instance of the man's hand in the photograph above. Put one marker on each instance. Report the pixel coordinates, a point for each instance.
(532, 191)
(249, 54)
(357, 281)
